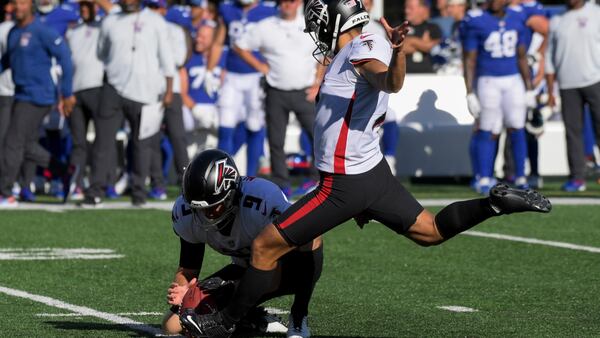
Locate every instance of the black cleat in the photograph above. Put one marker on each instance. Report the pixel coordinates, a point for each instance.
(209, 325)
(507, 200)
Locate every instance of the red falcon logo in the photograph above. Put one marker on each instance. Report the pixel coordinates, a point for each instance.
(226, 175)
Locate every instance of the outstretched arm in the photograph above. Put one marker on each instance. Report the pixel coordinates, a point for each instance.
(388, 78)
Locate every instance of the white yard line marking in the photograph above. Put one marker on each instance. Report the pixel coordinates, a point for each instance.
(276, 311)
(82, 310)
(455, 308)
(80, 315)
(555, 244)
(36, 254)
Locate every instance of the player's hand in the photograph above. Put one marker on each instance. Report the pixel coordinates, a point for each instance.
(311, 92)
(396, 34)
(551, 100)
(206, 118)
(211, 83)
(176, 292)
(530, 99)
(66, 105)
(473, 105)
(167, 98)
(263, 68)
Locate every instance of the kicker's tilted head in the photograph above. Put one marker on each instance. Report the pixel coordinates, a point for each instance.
(210, 184)
(326, 19)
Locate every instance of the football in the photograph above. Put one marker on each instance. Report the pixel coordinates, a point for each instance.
(202, 302)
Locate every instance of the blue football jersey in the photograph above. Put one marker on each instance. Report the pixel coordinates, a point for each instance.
(238, 22)
(495, 39)
(179, 15)
(60, 18)
(196, 69)
(527, 10)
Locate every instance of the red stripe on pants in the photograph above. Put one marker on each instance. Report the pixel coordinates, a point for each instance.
(339, 156)
(318, 199)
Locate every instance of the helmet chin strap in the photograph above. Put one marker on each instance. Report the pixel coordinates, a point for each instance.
(336, 31)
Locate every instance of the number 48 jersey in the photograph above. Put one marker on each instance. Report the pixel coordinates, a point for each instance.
(495, 39)
(259, 203)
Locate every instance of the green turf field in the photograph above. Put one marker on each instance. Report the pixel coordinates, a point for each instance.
(374, 283)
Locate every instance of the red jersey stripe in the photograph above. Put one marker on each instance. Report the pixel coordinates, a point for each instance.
(339, 156)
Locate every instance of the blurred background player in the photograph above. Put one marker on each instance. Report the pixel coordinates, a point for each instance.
(88, 74)
(198, 105)
(30, 49)
(7, 87)
(535, 42)
(241, 96)
(494, 51)
(291, 82)
(225, 211)
(57, 16)
(422, 37)
(180, 46)
(573, 59)
(138, 60)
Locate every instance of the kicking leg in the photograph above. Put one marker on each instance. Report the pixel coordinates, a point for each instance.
(461, 216)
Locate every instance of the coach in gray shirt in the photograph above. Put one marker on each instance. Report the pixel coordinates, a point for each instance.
(290, 75)
(573, 59)
(134, 47)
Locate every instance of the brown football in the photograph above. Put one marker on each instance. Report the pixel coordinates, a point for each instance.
(198, 300)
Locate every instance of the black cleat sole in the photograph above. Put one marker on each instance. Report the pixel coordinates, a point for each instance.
(510, 200)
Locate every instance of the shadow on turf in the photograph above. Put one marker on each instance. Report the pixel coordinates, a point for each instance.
(87, 326)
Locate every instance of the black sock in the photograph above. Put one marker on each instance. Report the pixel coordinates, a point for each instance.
(253, 285)
(460, 216)
(310, 265)
(57, 167)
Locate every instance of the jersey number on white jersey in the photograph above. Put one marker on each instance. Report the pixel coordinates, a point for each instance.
(501, 44)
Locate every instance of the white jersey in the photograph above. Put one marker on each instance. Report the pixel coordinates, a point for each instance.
(88, 70)
(260, 202)
(350, 111)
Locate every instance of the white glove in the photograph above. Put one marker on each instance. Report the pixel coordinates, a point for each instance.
(212, 83)
(205, 117)
(530, 99)
(473, 105)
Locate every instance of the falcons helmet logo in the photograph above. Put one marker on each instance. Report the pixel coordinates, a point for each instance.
(226, 175)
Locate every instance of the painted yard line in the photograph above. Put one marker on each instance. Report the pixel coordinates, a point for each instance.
(455, 308)
(168, 205)
(80, 315)
(529, 240)
(105, 206)
(276, 311)
(69, 250)
(10, 257)
(82, 310)
(35, 254)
